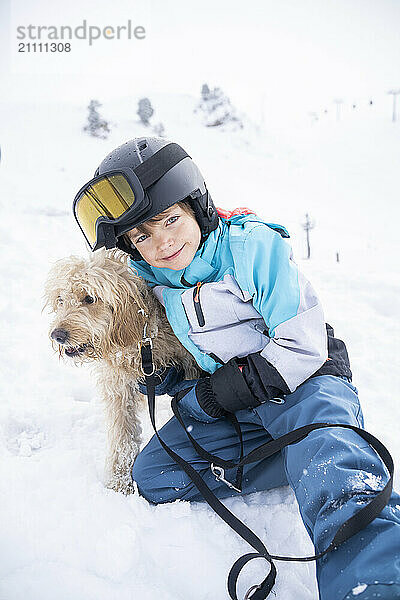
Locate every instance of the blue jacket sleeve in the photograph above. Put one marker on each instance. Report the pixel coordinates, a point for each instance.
(171, 382)
(297, 345)
(189, 405)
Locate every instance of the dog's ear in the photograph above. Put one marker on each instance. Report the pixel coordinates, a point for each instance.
(125, 327)
(61, 274)
(125, 293)
(122, 288)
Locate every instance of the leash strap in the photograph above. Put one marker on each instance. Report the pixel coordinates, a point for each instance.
(349, 528)
(216, 461)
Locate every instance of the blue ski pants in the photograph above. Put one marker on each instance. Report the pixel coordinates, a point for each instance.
(333, 473)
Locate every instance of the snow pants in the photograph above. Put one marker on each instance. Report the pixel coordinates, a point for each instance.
(333, 473)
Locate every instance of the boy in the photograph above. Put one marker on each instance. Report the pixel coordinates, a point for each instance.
(237, 302)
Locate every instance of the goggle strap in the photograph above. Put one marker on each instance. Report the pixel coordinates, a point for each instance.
(109, 236)
(157, 165)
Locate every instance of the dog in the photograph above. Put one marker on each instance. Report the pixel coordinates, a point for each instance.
(103, 309)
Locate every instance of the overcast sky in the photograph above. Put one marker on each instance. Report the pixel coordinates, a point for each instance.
(280, 52)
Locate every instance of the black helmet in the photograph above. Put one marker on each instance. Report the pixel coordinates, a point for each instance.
(134, 183)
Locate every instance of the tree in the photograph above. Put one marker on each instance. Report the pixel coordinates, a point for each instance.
(217, 109)
(159, 129)
(145, 111)
(205, 91)
(96, 126)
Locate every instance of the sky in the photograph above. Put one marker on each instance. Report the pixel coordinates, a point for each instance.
(270, 57)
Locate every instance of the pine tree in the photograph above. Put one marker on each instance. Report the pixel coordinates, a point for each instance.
(217, 109)
(145, 111)
(159, 129)
(205, 91)
(96, 126)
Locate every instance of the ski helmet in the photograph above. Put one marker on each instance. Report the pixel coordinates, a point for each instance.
(136, 182)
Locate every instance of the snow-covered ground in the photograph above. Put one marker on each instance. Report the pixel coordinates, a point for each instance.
(64, 535)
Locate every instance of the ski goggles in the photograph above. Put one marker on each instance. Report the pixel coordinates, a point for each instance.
(115, 202)
(105, 202)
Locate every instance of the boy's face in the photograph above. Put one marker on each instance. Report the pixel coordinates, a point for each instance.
(171, 242)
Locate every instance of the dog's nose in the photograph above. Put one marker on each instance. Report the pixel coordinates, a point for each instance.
(59, 335)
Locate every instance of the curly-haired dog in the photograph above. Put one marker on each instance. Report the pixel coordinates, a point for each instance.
(101, 308)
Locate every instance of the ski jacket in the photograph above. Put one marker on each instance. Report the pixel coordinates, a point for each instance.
(243, 293)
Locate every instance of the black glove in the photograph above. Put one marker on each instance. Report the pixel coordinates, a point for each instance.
(240, 383)
(264, 381)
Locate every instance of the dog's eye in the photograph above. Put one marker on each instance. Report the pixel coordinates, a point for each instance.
(88, 300)
(59, 301)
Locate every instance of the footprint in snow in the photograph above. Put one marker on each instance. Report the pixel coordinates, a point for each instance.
(26, 443)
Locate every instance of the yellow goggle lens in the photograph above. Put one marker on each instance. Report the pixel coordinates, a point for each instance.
(108, 197)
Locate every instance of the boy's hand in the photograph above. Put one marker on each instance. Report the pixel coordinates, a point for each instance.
(264, 381)
(240, 383)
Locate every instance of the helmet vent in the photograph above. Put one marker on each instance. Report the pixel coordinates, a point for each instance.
(142, 145)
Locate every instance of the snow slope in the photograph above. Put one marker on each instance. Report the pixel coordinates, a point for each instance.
(63, 534)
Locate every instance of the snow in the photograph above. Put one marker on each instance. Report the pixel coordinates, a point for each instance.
(66, 535)
(359, 589)
(374, 482)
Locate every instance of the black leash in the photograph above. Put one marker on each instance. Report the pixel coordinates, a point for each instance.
(349, 528)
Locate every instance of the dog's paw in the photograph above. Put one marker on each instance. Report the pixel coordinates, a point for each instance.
(119, 467)
(124, 486)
